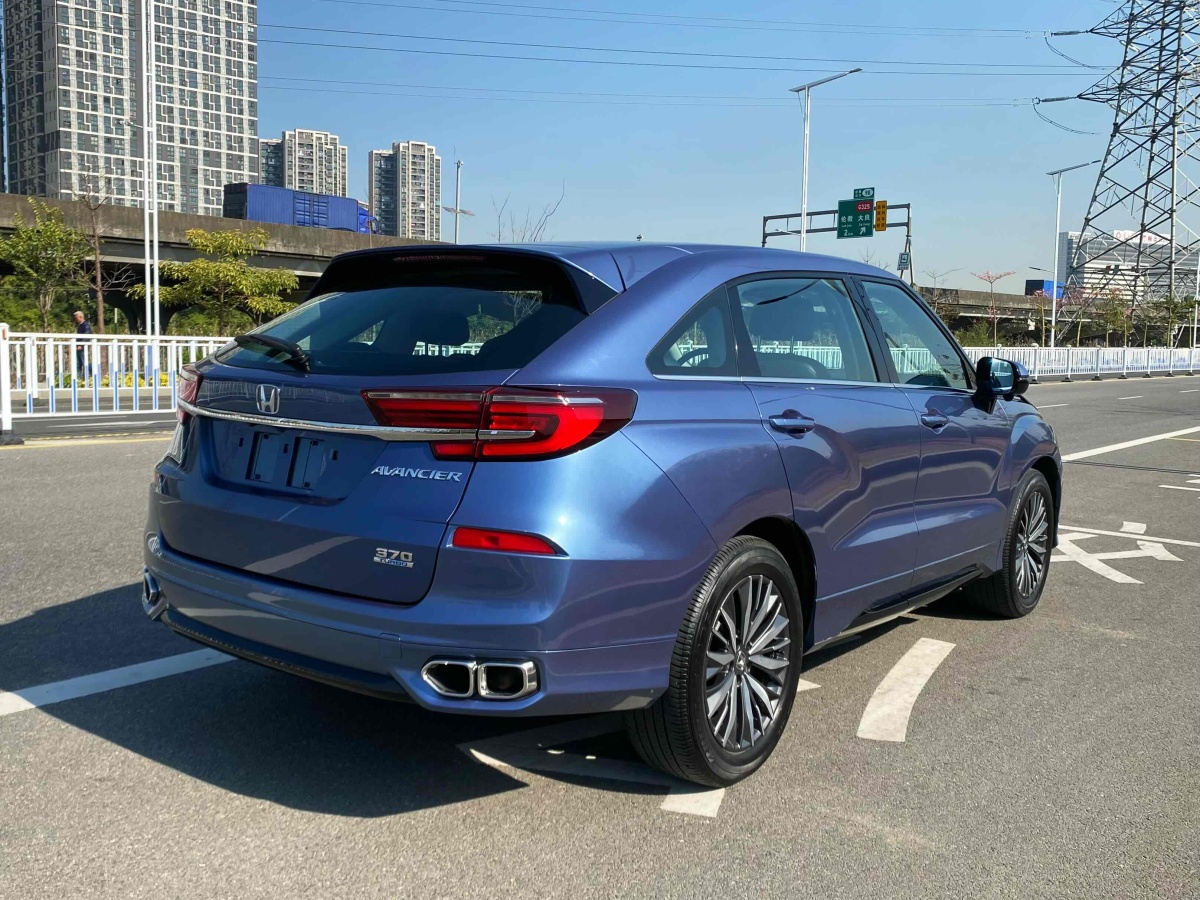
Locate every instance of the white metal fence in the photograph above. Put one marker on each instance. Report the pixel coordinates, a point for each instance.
(68, 374)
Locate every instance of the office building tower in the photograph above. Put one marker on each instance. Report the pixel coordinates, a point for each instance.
(405, 190)
(305, 160)
(74, 98)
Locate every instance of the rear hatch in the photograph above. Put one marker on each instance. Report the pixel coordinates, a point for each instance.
(331, 448)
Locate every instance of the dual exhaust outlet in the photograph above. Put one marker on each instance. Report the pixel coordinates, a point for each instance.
(461, 679)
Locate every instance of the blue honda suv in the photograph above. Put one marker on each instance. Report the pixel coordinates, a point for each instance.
(576, 478)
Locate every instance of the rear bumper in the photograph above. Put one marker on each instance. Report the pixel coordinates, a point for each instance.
(240, 615)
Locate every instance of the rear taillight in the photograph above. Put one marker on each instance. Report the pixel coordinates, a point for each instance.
(187, 388)
(502, 541)
(506, 423)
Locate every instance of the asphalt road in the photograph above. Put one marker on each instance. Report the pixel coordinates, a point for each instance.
(1055, 756)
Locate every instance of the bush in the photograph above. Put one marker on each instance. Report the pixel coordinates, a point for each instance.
(978, 335)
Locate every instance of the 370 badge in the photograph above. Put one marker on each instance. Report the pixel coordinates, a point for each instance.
(401, 558)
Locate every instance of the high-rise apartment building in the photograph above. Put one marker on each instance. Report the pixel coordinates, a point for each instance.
(405, 190)
(74, 98)
(304, 160)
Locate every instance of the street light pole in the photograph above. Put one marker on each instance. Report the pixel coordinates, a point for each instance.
(456, 210)
(806, 90)
(1057, 175)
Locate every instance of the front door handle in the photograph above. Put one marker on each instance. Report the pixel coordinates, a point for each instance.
(791, 422)
(934, 420)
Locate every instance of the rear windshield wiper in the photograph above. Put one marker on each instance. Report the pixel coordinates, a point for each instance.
(296, 356)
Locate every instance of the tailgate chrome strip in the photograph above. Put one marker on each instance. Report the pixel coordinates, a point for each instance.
(382, 432)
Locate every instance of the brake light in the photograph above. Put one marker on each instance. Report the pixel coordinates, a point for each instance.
(187, 389)
(506, 423)
(502, 541)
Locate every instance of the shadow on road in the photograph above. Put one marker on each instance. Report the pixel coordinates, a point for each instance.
(257, 732)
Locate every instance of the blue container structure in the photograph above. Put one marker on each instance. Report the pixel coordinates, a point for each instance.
(284, 206)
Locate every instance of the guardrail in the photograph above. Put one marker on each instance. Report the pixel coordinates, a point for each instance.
(68, 374)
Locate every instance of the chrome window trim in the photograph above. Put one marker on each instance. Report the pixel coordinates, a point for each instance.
(758, 379)
(382, 432)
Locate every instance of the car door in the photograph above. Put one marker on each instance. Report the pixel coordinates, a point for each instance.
(849, 439)
(960, 511)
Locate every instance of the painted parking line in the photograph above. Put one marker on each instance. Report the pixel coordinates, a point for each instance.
(87, 442)
(534, 750)
(1179, 487)
(1191, 391)
(1052, 405)
(1136, 397)
(887, 713)
(86, 685)
(1125, 445)
(1133, 527)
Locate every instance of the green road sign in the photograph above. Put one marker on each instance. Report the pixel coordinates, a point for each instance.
(856, 218)
(864, 193)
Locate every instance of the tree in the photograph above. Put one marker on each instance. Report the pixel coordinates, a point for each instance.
(1114, 311)
(940, 299)
(222, 282)
(94, 199)
(531, 229)
(1171, 311)
(49, 259)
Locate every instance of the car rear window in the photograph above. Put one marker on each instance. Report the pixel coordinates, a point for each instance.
(416, 315)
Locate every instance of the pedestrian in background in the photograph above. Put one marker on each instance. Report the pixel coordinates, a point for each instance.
(82, 326)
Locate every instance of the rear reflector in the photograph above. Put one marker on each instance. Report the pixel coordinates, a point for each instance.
(502, 541)
(506, 423)
(187, 388)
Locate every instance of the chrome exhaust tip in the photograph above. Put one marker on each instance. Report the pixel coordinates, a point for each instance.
(453, 678)
(153, 603)
(507, 680)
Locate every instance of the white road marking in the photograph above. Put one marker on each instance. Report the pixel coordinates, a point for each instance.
(34, 444)
(1179, 487)
(1137, 397)
(694, 800)
(86, 685)
(1125, 445)
(1052, 405)
(1094, 562)
(887, 713)
(1157, 540)
(1190, 391)
(533, 751)
(1134, 527)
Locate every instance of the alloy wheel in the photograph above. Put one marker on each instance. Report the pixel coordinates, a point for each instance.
(746, 669)
(1032, 545)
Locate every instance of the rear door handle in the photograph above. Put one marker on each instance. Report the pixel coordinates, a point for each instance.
(791, 422)
(934, 420)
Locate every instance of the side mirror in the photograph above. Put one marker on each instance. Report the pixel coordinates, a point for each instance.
(1000, 378)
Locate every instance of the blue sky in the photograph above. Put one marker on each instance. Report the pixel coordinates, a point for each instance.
(673, 168)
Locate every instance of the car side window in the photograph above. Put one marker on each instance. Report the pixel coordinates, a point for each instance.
(804, 328)
(922, 353)
(701, 343)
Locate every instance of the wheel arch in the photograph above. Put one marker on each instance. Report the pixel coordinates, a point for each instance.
(1053, 475)
(791, 541)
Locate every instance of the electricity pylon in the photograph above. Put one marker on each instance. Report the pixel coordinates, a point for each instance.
(1139, 240)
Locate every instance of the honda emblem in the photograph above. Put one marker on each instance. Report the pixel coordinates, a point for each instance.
(268, 399)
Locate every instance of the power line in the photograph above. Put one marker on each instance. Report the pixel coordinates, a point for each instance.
(639, 51)
(626, 62)
(764, 101)
(708, 22)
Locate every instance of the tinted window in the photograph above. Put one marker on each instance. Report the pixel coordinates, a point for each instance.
(403, 316)
(700, 344)
(921, 351)
(804, 328)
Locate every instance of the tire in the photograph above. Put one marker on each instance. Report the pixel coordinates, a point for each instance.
(1012, 593)
(675, 733)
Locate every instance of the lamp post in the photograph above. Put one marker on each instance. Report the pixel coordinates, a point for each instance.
(1057, 175)
(806, 90)
(456, 210)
